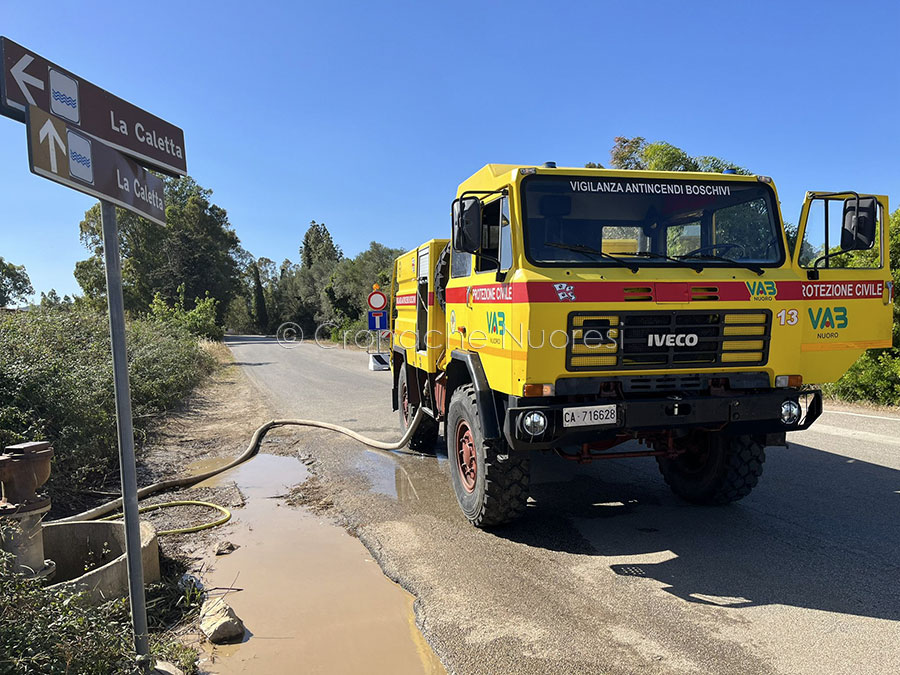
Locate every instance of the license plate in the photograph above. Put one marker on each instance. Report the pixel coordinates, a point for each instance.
(589, 415)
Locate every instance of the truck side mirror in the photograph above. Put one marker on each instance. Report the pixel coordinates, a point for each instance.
(860, 223)
(467, 224)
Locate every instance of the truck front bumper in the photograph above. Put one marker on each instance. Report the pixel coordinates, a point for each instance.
(733, 413)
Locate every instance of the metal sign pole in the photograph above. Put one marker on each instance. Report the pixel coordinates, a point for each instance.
(126, 432)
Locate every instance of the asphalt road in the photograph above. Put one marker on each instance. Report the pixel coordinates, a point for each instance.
(609, 572)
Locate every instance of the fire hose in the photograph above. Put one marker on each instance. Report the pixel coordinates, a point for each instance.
(251, 451)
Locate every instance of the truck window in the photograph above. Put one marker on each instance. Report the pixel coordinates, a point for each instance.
(505, 236)
(683, 238)
(645, 220)
(460, 264)
(746, 227)
(823, 233)
(490, 237)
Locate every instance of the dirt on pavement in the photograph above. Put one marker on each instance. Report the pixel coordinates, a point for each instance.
(294, 575)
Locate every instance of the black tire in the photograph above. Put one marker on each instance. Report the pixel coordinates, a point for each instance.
(716, 469)
(490, 481)
(425, 437)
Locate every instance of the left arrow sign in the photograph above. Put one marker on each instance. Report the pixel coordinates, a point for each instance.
(23, 79)
(50, 134)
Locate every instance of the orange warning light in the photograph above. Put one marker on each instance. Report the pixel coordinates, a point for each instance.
(375, 287)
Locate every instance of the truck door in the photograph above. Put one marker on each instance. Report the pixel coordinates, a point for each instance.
(478, 297)
(845, 297)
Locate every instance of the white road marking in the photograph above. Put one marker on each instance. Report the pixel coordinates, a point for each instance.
(872, 417)
(853, 433)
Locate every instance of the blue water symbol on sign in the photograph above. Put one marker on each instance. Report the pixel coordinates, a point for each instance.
(377, 320)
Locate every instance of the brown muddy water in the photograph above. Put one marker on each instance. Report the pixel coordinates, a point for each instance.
(311, 597)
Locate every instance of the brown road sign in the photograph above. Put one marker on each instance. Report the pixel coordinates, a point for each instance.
(62, 153)
(28, 79)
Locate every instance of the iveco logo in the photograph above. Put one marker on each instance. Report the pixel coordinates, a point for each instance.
(680, 340)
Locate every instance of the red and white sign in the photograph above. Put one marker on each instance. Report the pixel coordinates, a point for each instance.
(377, 300)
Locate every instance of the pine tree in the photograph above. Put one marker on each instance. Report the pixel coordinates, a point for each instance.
(261, 316)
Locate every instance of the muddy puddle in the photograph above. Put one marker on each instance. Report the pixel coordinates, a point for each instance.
(311, 597)
(402, 478)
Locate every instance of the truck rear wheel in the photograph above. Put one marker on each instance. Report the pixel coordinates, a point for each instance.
(490, 482)
(425, 436)
(716, 469)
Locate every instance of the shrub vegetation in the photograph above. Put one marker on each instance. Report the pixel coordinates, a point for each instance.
(56, 385)
(56, 631)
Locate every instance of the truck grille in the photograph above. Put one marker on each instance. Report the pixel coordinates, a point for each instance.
(682, 339)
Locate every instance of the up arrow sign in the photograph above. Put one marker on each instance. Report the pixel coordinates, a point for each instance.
(22, 78)
(48, 131)
(59, 151)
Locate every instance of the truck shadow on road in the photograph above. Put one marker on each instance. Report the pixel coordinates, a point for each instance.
(821, 531)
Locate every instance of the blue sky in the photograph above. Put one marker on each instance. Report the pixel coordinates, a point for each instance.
(367, 115)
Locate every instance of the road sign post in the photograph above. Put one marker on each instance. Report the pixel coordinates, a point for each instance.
(377, 322)
(377, 301)
(127, 470)
(92, 141)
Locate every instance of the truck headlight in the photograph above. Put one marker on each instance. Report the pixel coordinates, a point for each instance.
(534, 423)
(790, 412)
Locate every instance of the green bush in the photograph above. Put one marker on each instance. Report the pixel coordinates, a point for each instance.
(874, 378)
(199, 321)
(50, 631)
(56, 384)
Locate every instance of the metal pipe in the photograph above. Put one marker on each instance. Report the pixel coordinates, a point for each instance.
(586, 456)
(127, 469)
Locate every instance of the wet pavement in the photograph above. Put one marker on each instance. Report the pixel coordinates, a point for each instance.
(609, 572)
(311, 597)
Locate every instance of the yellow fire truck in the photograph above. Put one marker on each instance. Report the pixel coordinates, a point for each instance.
(575, 309)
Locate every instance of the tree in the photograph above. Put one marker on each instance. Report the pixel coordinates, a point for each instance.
(318, 246)
(14, 283)
(197, 247)
(260, 315)
(52, 300)
(300, 290)
(637, 153)
(238, 318)
(352, 279)
(627, 153)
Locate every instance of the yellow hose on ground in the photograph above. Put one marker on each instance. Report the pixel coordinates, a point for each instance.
(182, 530)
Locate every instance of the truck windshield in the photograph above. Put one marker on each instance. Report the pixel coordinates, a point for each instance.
(650, 222)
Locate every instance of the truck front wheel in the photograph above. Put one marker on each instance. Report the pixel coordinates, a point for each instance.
(490, 481)
(715, 468)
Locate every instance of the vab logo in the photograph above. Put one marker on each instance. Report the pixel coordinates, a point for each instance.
(496, 323)
(672, 340)
(828, 317)
(565, 292)
(762, 288)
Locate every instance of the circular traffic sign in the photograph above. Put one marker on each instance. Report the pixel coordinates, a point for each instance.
(377, 300)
